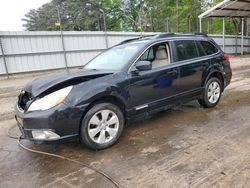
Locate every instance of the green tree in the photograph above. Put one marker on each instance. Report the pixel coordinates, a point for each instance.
(128, 15)
(75, 15)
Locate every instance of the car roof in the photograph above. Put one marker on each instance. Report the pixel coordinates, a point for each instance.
(148, 39)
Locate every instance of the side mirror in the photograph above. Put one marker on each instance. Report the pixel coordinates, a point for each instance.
(143, 65)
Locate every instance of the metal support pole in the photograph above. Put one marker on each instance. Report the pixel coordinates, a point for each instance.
(62, 39)
(236, 44)
(200, 24)
(140, 18)
(167, 24)
(177, 16)
(208, 25)
(105, 28)
(247, 27)
(4, 59)
(242, 36)
(189, 25)
(224, 34)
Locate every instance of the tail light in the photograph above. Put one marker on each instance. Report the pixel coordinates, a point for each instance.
(226, 57)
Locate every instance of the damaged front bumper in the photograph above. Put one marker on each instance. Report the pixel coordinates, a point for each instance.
(57, 123)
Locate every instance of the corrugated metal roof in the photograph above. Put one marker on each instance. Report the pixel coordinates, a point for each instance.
(229, 8)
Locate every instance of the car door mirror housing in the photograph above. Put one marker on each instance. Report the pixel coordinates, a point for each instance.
(143, 65)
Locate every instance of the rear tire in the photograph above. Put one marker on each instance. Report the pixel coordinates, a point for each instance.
(212, 93)
(102, 126)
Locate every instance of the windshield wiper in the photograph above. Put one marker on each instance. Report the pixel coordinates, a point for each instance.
(89, 69)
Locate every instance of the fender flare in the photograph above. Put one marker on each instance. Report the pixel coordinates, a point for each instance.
(209, 75)
(215, 69)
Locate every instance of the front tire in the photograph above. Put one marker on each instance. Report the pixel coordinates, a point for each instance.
(212, 93)
(102, 126)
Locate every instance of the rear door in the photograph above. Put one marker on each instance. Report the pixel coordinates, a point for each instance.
(192, 62)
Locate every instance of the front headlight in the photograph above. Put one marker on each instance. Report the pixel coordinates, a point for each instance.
(50, 100)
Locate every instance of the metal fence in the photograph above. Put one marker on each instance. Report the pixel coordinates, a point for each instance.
(35, 51)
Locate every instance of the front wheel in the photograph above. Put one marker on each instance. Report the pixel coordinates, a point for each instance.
(212, 93)
(102, 126)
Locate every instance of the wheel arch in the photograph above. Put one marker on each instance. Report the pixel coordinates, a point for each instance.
(105, 98)
(217, 74)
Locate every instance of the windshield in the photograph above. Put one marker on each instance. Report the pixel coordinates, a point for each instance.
(115, 58)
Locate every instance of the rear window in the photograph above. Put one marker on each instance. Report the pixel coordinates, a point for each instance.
(209, 47)
(185, 49)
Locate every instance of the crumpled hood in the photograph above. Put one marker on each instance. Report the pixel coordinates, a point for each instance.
(57, 81)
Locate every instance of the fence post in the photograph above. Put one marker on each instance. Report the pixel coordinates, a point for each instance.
(106, 40)
(223, 34)
(242, 36)
(4, 59)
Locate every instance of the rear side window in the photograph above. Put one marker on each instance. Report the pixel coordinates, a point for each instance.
(185, 49)
(209, 47)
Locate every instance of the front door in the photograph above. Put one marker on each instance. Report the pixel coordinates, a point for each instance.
(150, 89)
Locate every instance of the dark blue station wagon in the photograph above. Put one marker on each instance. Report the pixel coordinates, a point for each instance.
(134, 78)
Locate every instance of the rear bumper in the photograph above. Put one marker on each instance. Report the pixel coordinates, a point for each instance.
(227, 78)
(61, 120)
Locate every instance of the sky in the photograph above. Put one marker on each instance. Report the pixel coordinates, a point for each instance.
(12, 11)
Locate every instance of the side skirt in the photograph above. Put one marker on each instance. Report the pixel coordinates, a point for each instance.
(144, 112)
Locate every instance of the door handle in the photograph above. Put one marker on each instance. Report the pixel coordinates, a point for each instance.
(174, 71)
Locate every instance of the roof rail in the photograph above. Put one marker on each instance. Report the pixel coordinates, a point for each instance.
(165, 35)
(137, 38)
(202, 34)
(162, 35)
(128, 40)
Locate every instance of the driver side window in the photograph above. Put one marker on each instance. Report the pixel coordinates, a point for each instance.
(158, 55)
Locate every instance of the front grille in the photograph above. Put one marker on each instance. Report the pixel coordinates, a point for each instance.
(23, 99)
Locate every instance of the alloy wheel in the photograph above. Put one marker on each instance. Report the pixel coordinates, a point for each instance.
(214, 92)
(103, 126)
